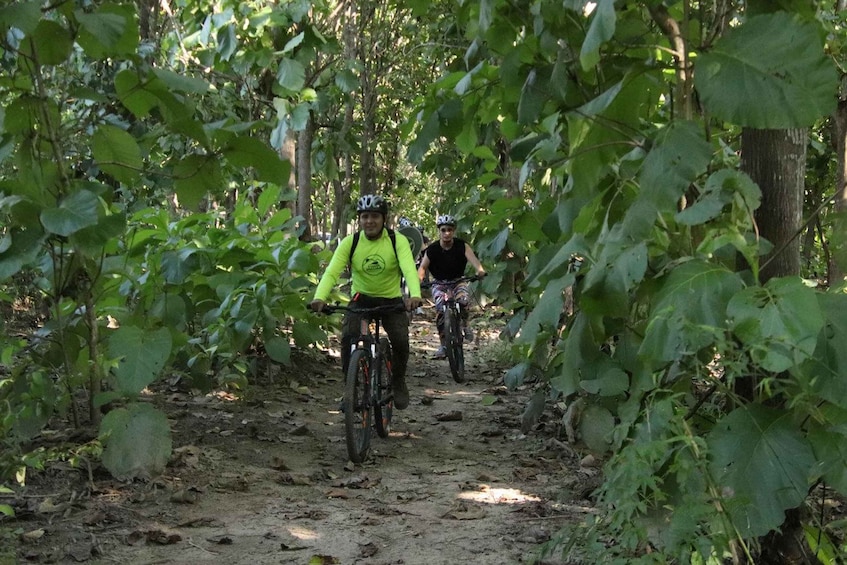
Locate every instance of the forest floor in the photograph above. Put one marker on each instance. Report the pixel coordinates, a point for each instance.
(264, 477)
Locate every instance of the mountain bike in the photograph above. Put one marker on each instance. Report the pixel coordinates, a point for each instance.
(454, 337)
(368, 399)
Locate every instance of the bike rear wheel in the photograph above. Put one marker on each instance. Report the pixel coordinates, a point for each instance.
(383, 399)
(357, 405)
(453, 343)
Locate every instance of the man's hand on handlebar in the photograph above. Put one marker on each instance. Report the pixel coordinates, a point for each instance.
(317, 305)
(481, 273)
(412, 302)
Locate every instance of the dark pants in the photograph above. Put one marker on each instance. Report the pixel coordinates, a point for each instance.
(394, 324)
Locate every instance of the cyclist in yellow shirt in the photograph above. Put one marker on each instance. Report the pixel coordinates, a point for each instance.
(377, 263)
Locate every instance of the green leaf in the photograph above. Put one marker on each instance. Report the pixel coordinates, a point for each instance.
(689, 310)
(77, 211)
(137, 442)
(117, 153)
(279, 350)
(22, 250)
(763, 464)
(245, 151)
(182, 83)
(679, 156)
(133, 95)
(426, 135)
(195, 177)
(306, 334)
(291, 75)
(22, 15)
(595, 428)
(49, 44)
(534, 95)
(110, 31)
(721, 188)
(830, 446)
(545, 315)
(770, 72)
(779, 323)
(142, 355)
(827, 369)
(604, 377)
(619, 268)
(601, 30)
(347, 80)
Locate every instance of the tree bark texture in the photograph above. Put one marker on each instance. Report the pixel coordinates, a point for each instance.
(838, 263)
(776, 160)
(304, 176)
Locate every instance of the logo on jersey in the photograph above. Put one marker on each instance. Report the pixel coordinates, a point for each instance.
(373, 264)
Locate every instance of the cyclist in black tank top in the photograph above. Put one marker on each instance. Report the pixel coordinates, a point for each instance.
(446, 260)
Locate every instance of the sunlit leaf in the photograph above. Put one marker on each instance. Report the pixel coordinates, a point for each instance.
(781, 76)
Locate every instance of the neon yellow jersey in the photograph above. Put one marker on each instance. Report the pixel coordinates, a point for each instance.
(376, 269)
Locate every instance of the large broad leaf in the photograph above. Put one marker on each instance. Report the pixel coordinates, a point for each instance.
(619, 268)
(829, 441)
(721, 188)
(601, 30)
(770, 72)
(195, 177)
(779, 323)
(827, 370)
(679, 156)
(581, 351)
(182, 83)
(133, 94)
(22, 15)
(117, 153)
(548, 310)
(21, 248)
(77, 211)
(291, 75)
(137, 442)
(596, 425)
(49, 44)
(109, 31)
(762, 464)
(688, 310)
(142, 353)
(244, 151)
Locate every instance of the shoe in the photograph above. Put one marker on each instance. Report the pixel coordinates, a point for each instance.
(469, 335)
(401, 394)
(440, 353)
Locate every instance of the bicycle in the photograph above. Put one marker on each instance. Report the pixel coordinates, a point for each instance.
(368, 398)
(453, 336)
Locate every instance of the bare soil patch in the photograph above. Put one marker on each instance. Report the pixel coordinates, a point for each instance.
(264, 478)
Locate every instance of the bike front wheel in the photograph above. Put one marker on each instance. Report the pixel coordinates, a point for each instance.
(453, 343)
(383, 400)
(357, 406)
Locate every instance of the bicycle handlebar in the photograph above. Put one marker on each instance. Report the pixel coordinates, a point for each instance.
(332, 308)
(472, 278)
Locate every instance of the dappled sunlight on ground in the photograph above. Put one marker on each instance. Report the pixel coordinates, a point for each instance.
(303, 533)
(491, 495)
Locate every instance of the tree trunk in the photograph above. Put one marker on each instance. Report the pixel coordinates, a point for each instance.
(776, 160)
(838, 263)
(304, 176)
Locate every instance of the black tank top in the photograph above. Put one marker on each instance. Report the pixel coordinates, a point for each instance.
(447, 264)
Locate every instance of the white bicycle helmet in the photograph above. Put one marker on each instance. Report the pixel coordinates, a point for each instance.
(405, 222)
(372, 203)
(445, 220)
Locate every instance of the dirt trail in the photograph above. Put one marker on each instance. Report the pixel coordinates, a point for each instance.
(265, 479)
